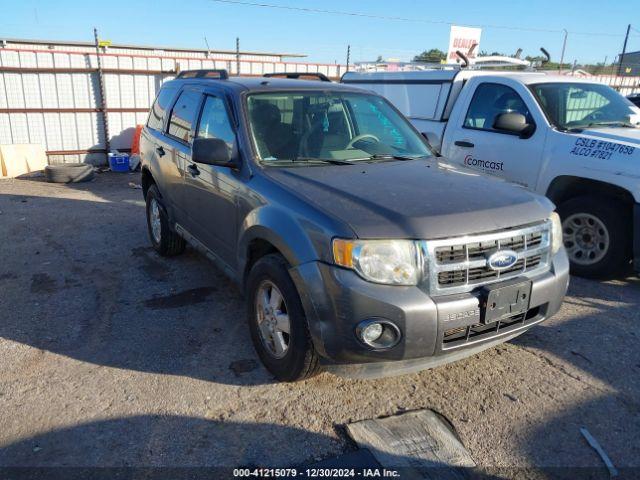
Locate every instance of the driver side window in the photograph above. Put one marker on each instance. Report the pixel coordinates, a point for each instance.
(491, 100)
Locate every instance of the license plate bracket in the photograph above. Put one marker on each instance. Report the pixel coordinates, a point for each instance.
(503, 301)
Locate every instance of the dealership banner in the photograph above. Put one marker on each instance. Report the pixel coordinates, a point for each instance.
(462, 39)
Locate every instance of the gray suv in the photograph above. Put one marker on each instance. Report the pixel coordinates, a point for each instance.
(357, 250)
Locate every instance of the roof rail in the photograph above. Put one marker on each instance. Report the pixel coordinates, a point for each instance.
(296, 75)
(215, 74)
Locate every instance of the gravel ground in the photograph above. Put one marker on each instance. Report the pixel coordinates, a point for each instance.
(113, 356)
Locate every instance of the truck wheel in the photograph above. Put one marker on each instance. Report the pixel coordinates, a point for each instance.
(164, 240)
(277, 321)
(597, 236)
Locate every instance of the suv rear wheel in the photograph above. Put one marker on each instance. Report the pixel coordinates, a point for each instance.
(277, 321)
(164, 240)
(597, 236)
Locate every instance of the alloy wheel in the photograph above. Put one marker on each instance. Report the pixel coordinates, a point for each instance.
(154, 220)
(273, 319)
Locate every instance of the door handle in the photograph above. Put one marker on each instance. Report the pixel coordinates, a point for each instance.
(160, 151)
(463, 143)
(193, 170)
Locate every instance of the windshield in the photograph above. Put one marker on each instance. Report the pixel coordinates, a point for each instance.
(581, 105)
(339, 127)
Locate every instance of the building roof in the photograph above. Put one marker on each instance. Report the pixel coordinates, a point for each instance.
(69, 43)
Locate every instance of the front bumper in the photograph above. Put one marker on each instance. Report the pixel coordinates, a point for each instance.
(336, 300)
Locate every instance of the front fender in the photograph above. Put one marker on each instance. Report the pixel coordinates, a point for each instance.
(297, 239)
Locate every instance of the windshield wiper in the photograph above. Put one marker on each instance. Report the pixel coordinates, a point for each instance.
(600, 124)
(389, 156)
(332, 161)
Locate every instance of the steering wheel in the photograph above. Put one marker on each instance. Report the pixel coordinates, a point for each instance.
(357, 138)
(595, 116)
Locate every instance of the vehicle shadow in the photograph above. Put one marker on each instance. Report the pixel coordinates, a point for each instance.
(165, 441)
(180, 447)
(79, 278)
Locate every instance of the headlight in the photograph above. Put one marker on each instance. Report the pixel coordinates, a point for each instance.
(556, 233)
(393, 262)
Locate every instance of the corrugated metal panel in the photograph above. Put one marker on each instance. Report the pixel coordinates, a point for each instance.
(73, 130)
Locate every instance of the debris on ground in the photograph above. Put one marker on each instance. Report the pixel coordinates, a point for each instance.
(417, 440)
(613, 471)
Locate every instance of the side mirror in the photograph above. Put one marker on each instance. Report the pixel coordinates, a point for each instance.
(212, 151)
(515, 123)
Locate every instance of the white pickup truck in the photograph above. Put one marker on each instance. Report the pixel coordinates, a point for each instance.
(576, 141)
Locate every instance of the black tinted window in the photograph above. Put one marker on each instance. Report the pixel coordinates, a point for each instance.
(183, 114)
(489, 101)
(159, 108)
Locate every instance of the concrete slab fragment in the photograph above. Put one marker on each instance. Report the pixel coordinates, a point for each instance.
(422, 442)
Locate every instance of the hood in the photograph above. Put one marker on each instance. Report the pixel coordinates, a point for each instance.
(628, 136)
(420, 199)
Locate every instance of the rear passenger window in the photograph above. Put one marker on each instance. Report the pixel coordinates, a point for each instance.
(489, 101)
(214, 122)
(183, 114)
(156, 115)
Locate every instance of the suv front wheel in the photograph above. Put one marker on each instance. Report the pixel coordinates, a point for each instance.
(277, 321)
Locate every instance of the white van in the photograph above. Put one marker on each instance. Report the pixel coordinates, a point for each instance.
(576, 141)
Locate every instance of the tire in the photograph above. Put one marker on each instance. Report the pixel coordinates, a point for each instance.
(582, 214)
(69, 173)
(300, 360)
(169, 242)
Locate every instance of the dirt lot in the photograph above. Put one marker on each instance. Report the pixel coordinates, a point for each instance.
(113, 356)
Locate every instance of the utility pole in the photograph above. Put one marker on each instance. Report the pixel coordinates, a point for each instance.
(624, 50)
(103, 96)
(348, 56)
(564, 46)
(237, 55)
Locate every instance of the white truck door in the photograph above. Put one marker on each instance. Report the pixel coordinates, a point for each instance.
(472, 140)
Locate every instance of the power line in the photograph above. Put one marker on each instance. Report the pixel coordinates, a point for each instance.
(402, 19)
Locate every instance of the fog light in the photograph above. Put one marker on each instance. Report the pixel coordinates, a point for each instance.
(377, 333)
(372, 332)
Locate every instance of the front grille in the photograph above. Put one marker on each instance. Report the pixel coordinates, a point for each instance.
(461, 264)
(459, 336)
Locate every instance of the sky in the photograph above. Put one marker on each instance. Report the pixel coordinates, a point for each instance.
(596, 28)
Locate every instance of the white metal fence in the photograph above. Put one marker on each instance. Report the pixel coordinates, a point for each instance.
(626, 85)
(51, 96)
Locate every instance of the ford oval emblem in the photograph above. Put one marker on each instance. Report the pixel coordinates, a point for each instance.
(502, 259)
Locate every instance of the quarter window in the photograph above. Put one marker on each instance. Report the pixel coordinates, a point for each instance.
(183, 115)
(214, 122)
(156, 115)
(491, 100)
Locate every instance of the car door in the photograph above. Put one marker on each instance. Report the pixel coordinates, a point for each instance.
(210, 191)
(175, 150)
(474, 142)
(154, 149)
